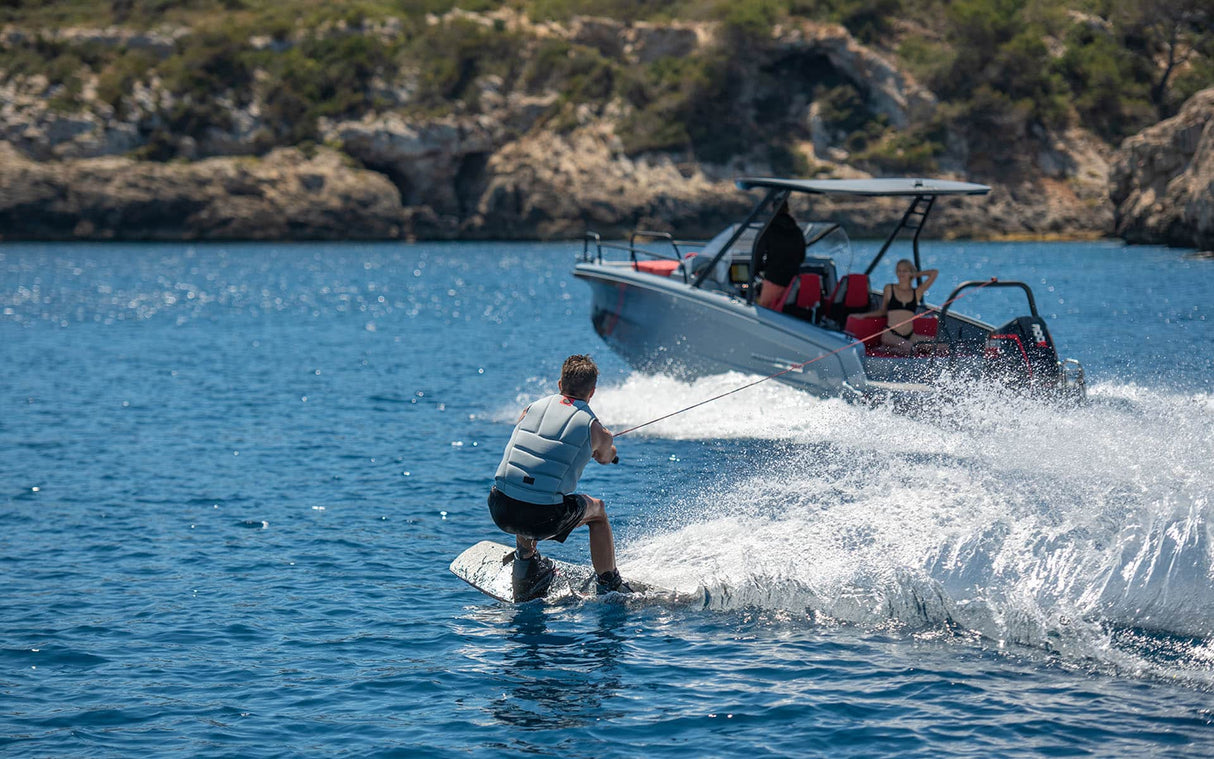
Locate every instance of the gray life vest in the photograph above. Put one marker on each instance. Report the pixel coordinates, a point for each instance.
(547, 452)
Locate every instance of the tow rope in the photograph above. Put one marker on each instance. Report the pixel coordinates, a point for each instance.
(804, 364)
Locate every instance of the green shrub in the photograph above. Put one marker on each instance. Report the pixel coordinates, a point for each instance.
(1199, 75)
(320, 77)
(787, 162)
(547, 57)
(57, 61)
(209, 63)
(842, 108)
(749, 19)
(1111, 93)
(581, 73)
(63, 65)
(660, 126)
(117, 80)
(451, 55)
(689, 102)
(868, 20)
(1002, 60)
(912, 151)
(620, 10)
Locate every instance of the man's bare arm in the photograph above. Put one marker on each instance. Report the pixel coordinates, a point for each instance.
(602, 443)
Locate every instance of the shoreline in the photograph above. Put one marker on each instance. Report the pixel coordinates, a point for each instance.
(1049, 237)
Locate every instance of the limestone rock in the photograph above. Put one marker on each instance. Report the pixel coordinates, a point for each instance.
(283, 196)
(1162, 179)
(547, 185)
(639, 42)
(890, 91)
(426, 160)
(646, 43)
(30, 124)
(160, 42)
(509, 163)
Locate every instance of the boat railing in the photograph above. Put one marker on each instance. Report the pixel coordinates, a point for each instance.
(992, 284)
(638, 253)
(674, 244)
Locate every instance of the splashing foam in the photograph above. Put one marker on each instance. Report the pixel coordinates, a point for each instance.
(1016, 519)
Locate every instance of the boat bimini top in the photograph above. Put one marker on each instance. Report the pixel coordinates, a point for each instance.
(923, 193)
(867, 187)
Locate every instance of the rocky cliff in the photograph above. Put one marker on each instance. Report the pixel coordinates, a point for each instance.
(1162, 180)
(517, 163)
(284, 195)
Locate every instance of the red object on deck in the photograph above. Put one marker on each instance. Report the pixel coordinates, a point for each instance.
(659, 267)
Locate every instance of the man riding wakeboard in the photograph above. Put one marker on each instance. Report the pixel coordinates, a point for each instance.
(533, 494)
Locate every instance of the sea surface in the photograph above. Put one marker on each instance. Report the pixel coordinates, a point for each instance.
(232, 478)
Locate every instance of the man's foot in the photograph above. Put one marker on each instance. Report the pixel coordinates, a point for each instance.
(532, 577)
(611, 582)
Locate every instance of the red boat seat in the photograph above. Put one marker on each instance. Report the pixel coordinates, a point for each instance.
(801, 296)
(851, 291)
(866, 328)
(661, 267)
(926, 325)
(849, 296)
(809, 291)
(869, 330)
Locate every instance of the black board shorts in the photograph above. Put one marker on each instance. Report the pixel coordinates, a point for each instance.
(536, 521)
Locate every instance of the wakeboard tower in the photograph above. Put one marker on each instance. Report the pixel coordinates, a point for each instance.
(489, 567)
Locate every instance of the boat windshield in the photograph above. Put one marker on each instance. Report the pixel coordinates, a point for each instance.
(827, 240)
(710, 250)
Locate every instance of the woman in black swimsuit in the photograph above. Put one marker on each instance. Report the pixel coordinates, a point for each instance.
(898, 305)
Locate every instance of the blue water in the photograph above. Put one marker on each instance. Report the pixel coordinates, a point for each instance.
(232, 478)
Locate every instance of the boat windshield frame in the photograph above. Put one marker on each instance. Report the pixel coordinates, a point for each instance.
(922, 194)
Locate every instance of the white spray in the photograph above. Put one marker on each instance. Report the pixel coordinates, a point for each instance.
(1018, 520)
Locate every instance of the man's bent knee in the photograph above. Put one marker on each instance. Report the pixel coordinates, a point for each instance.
(595, 510)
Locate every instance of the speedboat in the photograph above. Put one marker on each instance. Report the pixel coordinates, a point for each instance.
(690, 308)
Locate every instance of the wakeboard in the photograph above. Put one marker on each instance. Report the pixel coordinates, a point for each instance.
(489, 566)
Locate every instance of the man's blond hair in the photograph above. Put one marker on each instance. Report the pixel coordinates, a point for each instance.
(579, 376)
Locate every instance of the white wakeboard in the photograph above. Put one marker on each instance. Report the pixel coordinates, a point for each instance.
(489, 567)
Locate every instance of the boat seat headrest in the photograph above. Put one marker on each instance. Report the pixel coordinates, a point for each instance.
(850, 292)
(809, 290)
(856, 295)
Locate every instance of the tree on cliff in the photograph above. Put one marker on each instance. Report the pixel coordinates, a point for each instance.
(1176, 33)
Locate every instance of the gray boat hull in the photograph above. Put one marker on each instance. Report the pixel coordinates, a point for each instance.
(662, 325)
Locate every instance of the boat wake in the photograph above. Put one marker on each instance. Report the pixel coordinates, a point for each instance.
(1082, 531)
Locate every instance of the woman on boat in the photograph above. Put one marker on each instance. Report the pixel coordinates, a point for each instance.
(899, 302)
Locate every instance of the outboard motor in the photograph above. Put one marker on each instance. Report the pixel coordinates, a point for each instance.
(1023, 353)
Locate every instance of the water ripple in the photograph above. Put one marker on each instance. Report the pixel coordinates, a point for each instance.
(233, 477)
